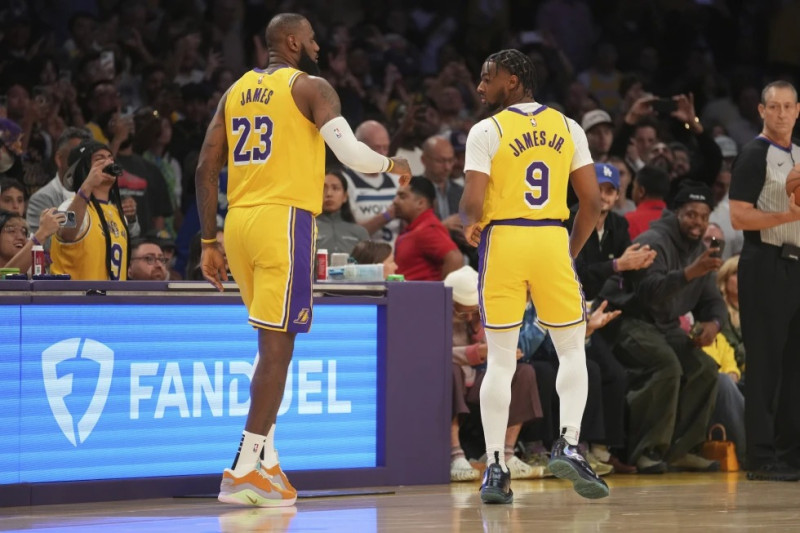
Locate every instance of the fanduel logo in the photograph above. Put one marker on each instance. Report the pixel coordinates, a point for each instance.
(68, 368)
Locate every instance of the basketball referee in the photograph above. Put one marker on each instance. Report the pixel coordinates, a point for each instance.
(769, 287)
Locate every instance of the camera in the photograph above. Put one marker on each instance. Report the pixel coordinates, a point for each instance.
(113, 169)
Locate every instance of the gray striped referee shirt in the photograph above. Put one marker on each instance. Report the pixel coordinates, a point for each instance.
(759, 177)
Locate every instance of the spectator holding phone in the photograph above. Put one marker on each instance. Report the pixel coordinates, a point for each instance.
(15, 246)
(97, 247)
(674, 383)
(700, 157)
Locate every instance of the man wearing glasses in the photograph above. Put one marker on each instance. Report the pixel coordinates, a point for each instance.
(148, 262)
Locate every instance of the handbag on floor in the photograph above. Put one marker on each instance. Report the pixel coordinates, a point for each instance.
(723, 450)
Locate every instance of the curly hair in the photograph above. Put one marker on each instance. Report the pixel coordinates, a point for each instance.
(517, 64)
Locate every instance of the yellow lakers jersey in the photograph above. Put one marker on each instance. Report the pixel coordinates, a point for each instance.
(530, 171)
(85, 259)
(275, 154)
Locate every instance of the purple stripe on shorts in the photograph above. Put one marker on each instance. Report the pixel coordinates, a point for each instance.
(483, 247)
(584, 316)
(300, 311)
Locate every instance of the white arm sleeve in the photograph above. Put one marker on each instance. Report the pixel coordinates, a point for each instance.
(349, 151)
(582, 156)
(482, 143)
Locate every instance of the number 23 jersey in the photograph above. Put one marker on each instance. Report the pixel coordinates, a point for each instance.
(528, 150)
(275, 154)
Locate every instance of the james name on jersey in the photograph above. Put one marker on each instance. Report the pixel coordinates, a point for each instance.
(535, 138)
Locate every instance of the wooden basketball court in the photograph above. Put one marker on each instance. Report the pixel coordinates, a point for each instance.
(672, 502)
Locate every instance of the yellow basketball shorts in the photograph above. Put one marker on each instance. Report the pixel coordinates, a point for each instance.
(270, 251)
(521, 255)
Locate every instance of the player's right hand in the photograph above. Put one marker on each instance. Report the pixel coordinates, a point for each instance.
(212, 265)
(402, 169)
(473, 235)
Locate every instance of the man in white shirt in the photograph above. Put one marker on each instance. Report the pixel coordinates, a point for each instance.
(55, 193)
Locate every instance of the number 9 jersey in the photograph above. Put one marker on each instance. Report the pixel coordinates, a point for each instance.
(84, 258)
(529, 151)
(275, 154)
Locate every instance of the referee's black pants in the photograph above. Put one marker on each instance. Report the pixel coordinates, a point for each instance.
(769, 304)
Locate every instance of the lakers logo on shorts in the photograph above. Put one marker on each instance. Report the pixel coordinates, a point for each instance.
(302, 316)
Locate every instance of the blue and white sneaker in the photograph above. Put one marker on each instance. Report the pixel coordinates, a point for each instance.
(566, 462)
(496, 485)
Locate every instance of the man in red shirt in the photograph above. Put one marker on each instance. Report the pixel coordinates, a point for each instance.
(650, 188)
(424, 251)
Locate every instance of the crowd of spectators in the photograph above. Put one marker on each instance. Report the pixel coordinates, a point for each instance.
(667, 93)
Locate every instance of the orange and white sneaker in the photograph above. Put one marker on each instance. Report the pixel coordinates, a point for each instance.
(254, 489)
(277, 477)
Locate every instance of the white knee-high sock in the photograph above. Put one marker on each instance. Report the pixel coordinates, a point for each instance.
(501, 363)
(572, 381)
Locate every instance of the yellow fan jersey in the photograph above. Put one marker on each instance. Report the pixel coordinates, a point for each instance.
(85, 259)
(530, 170)
(275, 154)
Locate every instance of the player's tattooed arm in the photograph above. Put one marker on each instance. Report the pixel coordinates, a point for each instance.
(212, 158)
(325, 103)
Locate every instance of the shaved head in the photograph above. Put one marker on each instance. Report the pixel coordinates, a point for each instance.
(290, 40)
(438, 158)
(436, 143)
(281, 26)
(374, 134)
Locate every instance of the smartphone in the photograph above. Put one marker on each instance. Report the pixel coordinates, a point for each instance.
(70, 220)
(664, 106)
(696, 331)
(717, 245)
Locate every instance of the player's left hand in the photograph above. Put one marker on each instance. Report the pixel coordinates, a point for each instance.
(473, 234)
(212, 265)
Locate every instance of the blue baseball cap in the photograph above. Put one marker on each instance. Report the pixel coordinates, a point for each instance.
(607, 174)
